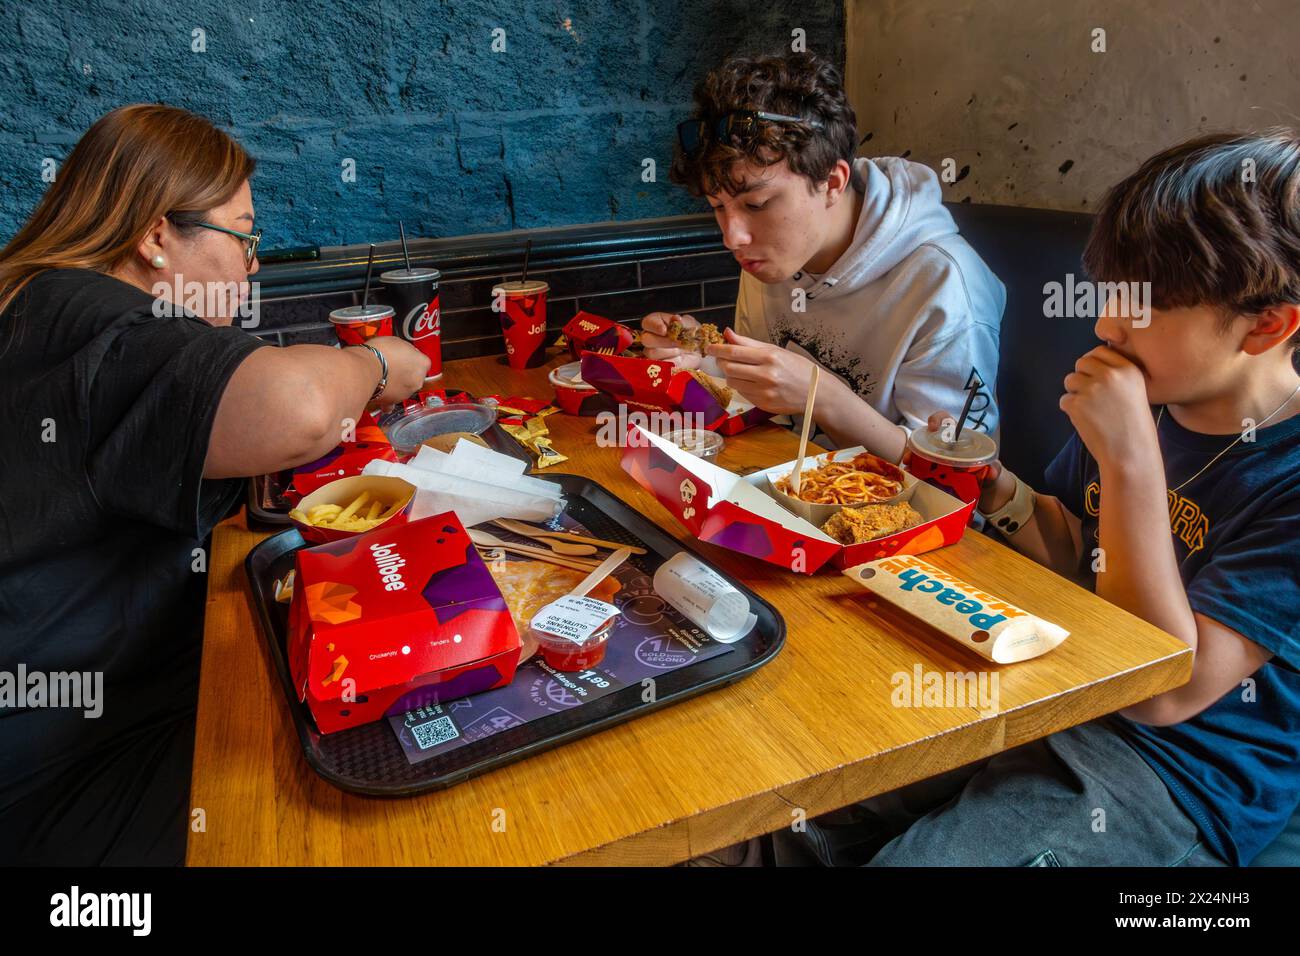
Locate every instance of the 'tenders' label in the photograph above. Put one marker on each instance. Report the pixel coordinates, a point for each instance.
(573, 618)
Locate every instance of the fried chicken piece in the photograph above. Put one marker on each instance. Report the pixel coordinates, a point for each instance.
(722, 392)
(708, 334)
(696, 338)
(856, 525)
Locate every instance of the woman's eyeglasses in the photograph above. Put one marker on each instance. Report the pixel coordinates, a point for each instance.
(251, 240)
(741, 124)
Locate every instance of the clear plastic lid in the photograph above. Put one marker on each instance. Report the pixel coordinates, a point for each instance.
(409, 275)
(970, 448)
(698, 441)
(417, 426)
(361, 313)
(517, 287)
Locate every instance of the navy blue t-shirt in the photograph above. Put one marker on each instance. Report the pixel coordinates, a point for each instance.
(1235, 767)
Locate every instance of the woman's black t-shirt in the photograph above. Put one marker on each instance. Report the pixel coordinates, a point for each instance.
(105, 414)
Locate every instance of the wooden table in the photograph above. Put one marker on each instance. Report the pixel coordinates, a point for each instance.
(811, 731)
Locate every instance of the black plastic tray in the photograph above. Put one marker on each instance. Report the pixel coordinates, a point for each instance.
(369, 760)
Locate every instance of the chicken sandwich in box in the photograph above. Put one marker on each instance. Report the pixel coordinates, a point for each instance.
(746, 515)
(396, 618)
(660, 384)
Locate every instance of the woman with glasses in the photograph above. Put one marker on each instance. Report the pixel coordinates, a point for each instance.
(132, 410)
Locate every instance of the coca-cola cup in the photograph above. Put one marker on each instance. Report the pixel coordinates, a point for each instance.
(522, 306)
(414, 296)
(958, 467)
(360, 323)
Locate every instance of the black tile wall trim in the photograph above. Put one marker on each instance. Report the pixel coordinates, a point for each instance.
(343, 268)
(637, 302)
(683, 268)
(619, 270)
(721, 292)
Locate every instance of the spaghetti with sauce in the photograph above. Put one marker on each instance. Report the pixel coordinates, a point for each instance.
(862, 479)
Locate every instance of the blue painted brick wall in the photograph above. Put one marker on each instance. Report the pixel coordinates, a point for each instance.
(446, 134)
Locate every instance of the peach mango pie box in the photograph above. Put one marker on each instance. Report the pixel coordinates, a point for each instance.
(742, 513)
(396, 618)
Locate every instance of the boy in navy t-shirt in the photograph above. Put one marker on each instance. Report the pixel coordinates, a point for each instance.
(1178, 499)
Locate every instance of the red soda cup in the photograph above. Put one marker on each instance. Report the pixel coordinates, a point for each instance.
(958, 467)
(522, 306)
(357, 324)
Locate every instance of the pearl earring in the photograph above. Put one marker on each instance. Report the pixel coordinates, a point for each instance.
(158, 262)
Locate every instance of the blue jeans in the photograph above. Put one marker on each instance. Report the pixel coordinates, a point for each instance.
(1082, 797)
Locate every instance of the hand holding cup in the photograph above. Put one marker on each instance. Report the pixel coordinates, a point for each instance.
(996, 486)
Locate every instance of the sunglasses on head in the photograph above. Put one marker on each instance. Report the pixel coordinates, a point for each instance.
(741, 124)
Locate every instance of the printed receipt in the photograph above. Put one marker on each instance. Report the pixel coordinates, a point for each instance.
(700, 593)
(573, 618)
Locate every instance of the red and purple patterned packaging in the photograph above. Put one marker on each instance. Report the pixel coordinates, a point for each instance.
(395, 619)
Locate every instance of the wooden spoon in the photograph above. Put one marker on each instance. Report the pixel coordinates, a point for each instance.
(803, 435)
(529, 531)
(486, 540)
(559, 547)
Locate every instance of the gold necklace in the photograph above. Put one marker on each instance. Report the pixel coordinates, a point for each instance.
(1286, 401)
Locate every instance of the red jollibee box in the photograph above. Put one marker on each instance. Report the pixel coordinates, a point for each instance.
(396, 618)
(722, 508)
(587, 332)
(344, 460)
(661, 385)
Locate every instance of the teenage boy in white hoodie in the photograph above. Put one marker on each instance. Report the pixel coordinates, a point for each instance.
(854, 265)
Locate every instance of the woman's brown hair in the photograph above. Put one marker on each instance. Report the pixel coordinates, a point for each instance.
(134, 165)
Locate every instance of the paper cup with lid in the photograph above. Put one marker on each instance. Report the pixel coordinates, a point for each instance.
(958, 467)
(522, 307)
(356, 324)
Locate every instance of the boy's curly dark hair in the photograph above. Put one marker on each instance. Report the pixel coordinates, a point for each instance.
(1214, 221)
(796, 84)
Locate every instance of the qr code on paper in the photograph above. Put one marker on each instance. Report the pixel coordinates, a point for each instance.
(434, 732)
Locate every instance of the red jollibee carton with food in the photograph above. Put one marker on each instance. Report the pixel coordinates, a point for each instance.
(659, 384)
(576, 397)
(344, 460)
(745, 515)
(394, 619)
(587, 332)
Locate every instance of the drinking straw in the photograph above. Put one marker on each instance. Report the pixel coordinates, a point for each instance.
(807, 423)
(370, 267)
(971, 391)
(406, 253)
(528, 247)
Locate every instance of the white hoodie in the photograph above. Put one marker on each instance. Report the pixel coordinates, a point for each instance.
(904, 315)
